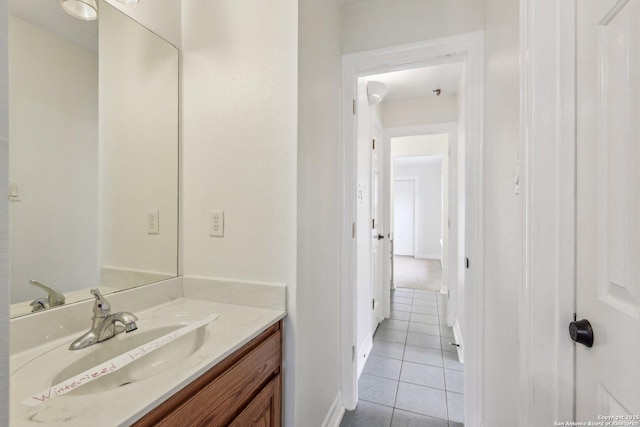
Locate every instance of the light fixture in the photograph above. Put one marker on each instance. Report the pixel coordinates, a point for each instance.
(86, 10)
(376, 91)
(129, 1)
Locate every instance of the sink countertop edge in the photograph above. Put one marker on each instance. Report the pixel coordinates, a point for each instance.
(236, 326)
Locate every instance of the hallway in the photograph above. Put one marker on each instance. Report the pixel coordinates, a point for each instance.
(413, 377)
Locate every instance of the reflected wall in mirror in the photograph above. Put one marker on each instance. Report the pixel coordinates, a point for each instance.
(93, 113)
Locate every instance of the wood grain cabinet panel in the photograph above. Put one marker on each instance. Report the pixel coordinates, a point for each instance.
(243, 390)
(264, 410)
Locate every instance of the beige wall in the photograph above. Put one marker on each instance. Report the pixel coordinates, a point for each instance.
(239, 129)
(419, 111)
(388, 23)
(4, 218)
(317, 367)
(239, 139)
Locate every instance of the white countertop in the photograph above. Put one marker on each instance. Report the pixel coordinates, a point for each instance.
(235, 326)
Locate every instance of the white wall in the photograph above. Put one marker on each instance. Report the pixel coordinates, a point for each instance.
(239, 133)
(138, 147)
(392, 22)
(419, 111)
(428, 199)
(404, 217)
(503, 222)
(317, 302)
(4, 217)
(163, 17)
(54, 160)
(240, 109)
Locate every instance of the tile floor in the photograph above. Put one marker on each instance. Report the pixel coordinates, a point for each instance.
(412, 377)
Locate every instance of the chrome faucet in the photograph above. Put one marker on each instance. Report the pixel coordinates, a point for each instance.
(104, 323)
(55, 297)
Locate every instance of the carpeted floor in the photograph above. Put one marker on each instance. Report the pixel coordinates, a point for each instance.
(416, 273)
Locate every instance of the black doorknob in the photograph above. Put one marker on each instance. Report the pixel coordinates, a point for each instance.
(380, 237)
(581, 332)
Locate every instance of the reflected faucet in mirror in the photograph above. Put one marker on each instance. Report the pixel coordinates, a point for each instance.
(54, 298)
(104, 323)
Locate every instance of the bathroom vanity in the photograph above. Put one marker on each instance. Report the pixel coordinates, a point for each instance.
(245, 389)
(94, 204)
(224, 370)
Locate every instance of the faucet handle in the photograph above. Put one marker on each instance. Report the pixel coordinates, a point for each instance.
(101, 308)
(39, 304)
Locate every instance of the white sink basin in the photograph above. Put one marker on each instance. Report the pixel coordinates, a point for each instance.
(165, 356)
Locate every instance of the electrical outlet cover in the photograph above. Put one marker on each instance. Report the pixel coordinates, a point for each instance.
(216, 223)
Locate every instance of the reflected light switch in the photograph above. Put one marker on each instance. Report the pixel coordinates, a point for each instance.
(14, 192)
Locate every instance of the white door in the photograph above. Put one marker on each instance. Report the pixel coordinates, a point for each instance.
(376, 229)
(404, 217)
(608, 208)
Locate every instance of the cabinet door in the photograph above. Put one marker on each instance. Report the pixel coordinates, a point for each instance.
(264, 410)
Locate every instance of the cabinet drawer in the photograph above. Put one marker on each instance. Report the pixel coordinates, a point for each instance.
(264, 410)
(223, 392)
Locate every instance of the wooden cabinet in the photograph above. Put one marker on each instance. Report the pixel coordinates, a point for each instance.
(244, 390)
(264, 410)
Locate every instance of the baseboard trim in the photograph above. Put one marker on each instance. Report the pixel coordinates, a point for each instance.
(429, 256)
(363, 354)
(336, 412)
(457, 333)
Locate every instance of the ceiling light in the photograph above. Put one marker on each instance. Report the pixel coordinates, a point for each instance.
(376, 91)
(82, 9)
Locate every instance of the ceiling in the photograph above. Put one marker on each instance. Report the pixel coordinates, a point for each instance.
(49, 16)
(420, 82)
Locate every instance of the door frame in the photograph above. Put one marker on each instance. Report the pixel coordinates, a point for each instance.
(467, 48)
(548, 177)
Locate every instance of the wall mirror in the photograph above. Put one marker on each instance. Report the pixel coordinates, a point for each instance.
(93, 149)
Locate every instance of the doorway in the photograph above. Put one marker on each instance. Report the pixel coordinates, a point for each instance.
(465, 49)
(404, 206)
(420, 206)
(418, 212)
